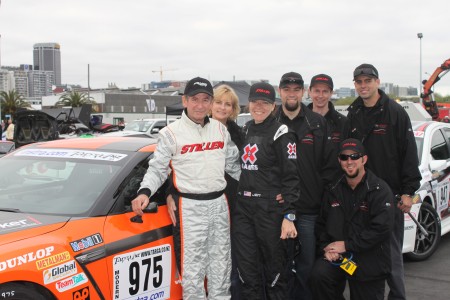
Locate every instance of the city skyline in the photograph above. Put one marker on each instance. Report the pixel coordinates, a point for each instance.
(128, 44)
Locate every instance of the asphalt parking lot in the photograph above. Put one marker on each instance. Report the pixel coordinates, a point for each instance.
(429, 279)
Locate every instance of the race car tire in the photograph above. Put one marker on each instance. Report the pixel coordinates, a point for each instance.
(425, 246)
(22, 291)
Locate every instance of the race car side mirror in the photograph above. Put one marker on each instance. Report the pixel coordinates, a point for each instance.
(151, 208)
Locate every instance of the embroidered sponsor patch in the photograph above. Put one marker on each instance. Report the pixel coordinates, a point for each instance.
(292, 150)
(380, 129)
(308, 139)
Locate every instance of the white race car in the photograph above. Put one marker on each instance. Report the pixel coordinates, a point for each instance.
(432, 208)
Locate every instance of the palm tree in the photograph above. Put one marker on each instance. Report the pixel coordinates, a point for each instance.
(11, 101)
(75, 99)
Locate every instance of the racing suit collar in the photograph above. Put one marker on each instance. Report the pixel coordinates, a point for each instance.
(191, 123)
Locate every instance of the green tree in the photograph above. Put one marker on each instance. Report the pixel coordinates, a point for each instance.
(75, 99)
(11, 101)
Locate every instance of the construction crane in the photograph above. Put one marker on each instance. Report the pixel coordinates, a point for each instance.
(160, 71)
(427, 93)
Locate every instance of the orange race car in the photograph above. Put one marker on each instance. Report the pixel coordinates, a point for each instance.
(67, 230)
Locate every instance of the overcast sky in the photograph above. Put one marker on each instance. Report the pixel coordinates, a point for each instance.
(124, 41)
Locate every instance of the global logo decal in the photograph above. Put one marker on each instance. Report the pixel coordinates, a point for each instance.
(60, 272)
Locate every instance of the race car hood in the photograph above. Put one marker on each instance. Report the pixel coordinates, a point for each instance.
(18, 226)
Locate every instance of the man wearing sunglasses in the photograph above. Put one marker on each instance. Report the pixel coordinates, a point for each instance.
(317, 167)
(355, 221)
(385, 129)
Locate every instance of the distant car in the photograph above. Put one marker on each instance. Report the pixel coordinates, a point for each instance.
(6, 147)
(67, 230)
(243, 118)
(433, 145)
(146, 127)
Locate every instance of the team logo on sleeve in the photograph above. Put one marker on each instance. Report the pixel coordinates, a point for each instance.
(292, 150)
(249, 157)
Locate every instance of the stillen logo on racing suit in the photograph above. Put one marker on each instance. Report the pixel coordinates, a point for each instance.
(292, 150)
(249, 157)
(202, 147)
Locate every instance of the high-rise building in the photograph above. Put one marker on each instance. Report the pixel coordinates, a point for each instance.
(40, 83)
(47, 57)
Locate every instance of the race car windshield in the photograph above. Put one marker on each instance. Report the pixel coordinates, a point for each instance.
(53, 185)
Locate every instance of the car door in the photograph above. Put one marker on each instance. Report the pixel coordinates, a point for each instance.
(439, 157)
(140, 255)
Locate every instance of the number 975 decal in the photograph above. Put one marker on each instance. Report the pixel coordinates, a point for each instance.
(143, 274)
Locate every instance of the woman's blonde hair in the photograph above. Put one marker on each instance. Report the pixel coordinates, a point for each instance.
(227, 91)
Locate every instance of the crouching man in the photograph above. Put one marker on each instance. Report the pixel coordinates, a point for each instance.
(353, 231)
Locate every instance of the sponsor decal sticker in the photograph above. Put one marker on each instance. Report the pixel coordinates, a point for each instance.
(60, 272)
(419, 133)
(70, 153)
(52, 260)
(71, 282)
(18, 224)
(26, 258)
(82, 294)
(87, 242)
(143, 274)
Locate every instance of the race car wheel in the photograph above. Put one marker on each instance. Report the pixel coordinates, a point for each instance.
(22, 291)
(425, 246)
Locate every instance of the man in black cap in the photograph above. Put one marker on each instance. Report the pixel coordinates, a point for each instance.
(355, 222)
(320, 92)
(384, 128)
(317, 167)
(199, 151)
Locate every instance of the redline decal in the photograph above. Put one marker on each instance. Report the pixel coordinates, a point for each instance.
(262, 91)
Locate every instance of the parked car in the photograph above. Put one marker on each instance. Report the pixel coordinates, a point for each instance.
(243, 118)
(146, 127)
(67, 230)
(6, 147)
(433, 145)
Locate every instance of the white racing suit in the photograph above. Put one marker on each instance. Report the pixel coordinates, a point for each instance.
(198, 157)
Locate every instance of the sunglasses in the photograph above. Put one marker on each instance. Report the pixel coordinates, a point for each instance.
(292, 80)
(365, 71)
(354, 156)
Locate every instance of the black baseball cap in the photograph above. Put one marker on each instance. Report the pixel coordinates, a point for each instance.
(198, 85)
(353, 145)
(291, 77)
(365, 69)
(322, 78)
(262, 91)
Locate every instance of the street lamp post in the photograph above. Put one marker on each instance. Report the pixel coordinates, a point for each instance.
(420, 36)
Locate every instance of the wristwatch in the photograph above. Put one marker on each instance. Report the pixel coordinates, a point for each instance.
(291, 217)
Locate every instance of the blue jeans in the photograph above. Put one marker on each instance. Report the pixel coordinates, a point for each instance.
(304, 261)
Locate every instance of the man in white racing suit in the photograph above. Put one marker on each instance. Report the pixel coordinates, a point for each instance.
(199, 151)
